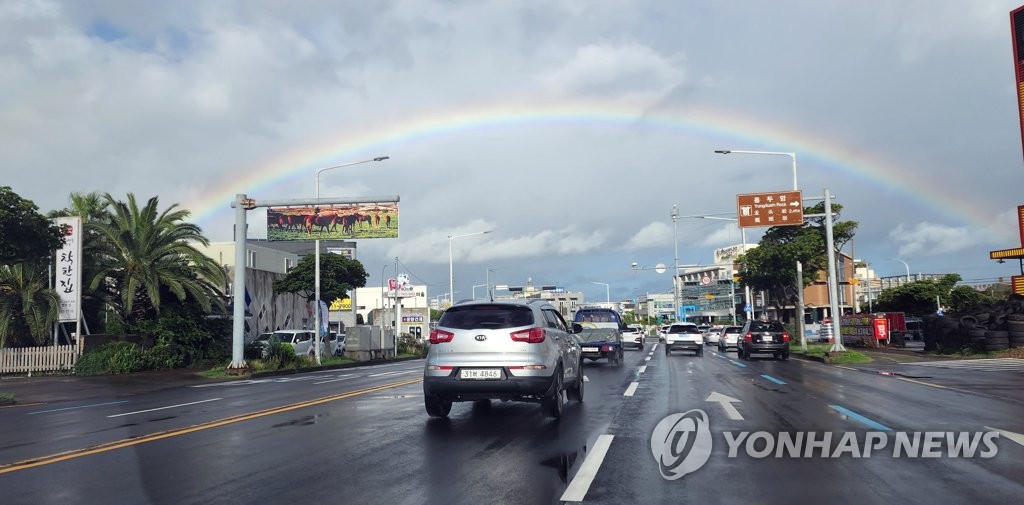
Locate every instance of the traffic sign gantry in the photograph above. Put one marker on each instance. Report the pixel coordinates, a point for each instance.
(783, 208)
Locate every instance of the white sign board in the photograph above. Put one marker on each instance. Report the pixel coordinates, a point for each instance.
(69, 269)
(400, 287)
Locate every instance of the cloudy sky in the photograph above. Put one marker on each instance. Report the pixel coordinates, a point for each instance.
(569, 127)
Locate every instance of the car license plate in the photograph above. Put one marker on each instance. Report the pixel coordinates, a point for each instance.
(591, 349)
(768, 338)
(480, 373)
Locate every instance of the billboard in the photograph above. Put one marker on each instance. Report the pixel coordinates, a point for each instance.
(333, 222)
(69, 269)
(1017, 34)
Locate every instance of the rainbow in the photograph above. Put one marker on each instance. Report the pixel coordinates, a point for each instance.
(728, 128)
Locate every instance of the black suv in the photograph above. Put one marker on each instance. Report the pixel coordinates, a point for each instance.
(763, 337)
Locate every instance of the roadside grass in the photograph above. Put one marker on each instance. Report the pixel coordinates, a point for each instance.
(273, 364)
(6, 398)
(821, 351)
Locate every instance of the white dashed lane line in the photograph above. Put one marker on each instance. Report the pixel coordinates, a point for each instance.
(631, 389)
(580, 484)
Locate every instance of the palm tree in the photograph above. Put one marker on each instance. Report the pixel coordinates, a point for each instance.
(28, 307)
(146, 252)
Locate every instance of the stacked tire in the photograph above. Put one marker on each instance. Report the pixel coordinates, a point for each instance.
(1015, 330)
(997, 340)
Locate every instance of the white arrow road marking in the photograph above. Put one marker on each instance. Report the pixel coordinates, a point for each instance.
(580, 484)
(727, 405)
(586, 379)
(631, 389)
(1016, 437)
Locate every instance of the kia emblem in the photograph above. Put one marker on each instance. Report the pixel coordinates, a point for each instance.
(480, 338)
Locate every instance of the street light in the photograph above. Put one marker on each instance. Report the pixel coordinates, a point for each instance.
(675, 262)
(770, 153)
(905, 265)
(317, 287)
(607, 291)
(451, 271)
(383, 307)
(477, 286)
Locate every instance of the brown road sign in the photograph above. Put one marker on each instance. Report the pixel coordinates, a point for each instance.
(783, 208)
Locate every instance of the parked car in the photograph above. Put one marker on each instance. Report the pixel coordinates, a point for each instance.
(684, 336)
(336, 344)
(633, 336)
(300, 340)
(520, 350)
(263, 340)
(729, 338)
(764, 337)
(600, 343)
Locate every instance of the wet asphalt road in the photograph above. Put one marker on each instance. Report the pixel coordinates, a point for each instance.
(361, 436)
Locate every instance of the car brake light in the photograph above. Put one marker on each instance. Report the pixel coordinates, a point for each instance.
(443, 368)
(748, 337)
(440, 336)
(527, 367)
(532, 335)
(785, 336)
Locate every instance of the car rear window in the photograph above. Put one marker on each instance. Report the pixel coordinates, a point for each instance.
(766, 326)
(734, 329)
(682, 328)
(470, 317)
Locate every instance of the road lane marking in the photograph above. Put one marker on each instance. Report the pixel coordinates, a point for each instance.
(580, 484)
(853, 415)
(586, 379)
(737, 363)
(773, 379)
(78, 407)
(655, 346)
(647, 358)
(128, 442)
(643, 369)
(727, 404)
(923, 383)
(1016, 437)
(631, 389)
(340, 378)
(392, 373)
(164, 408)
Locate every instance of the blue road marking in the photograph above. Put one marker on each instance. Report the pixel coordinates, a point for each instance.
(737, 363)
(851, 414)
(773, 379)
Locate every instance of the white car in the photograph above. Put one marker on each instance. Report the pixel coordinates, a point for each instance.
(729, 337)
(300, 340)
(633, 336)
(684, 337)
(662, 331)
(712, 334)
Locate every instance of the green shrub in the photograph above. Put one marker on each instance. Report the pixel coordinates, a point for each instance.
(164, 356)
(281, 352)
(113, 357)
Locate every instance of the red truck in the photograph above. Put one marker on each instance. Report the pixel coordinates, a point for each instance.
(879, 328)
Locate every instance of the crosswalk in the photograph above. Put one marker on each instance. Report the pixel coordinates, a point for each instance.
(981, 365)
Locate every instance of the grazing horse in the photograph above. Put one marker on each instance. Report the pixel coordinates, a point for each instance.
(387, 220)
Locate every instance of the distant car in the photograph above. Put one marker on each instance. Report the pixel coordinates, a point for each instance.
(600, 343)
(711, 335)
(764, 337)
(263, 340)
(662, 331)
(520, 350)
(336, 344)
(633, 336)
(729, 338)
(685, 337)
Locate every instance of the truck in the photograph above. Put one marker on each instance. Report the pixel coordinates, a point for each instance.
(879, 328)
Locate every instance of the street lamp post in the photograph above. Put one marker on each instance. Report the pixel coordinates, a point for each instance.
(771, 153)
(607, 291)
(383, 305)
(477, 286)
(316, 302)
(451, 271)
(675, 262)
(743, 241)
(907, 266)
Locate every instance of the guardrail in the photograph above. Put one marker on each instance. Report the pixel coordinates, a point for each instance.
(38, 359)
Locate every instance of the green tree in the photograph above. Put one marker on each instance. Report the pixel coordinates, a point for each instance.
(771, 266)
(146, 254)
(28, 307)
(918, 297)
(25, 234)
(338, 275)
(964, 298)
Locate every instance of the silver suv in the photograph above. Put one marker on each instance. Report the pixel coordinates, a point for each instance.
(507, 350)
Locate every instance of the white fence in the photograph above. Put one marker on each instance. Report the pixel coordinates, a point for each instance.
(38, 359)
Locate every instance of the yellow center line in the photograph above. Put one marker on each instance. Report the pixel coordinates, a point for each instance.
(128, 442)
